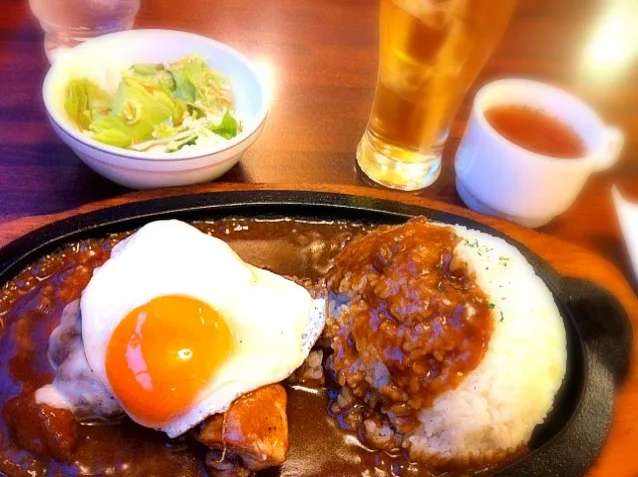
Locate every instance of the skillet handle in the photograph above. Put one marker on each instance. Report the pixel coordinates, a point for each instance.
(603, 323)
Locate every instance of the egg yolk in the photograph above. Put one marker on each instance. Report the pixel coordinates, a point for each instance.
(163, 353)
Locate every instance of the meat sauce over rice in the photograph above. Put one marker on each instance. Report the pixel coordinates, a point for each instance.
(407, 322)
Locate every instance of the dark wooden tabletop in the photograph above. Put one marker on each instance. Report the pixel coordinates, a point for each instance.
(323, 56)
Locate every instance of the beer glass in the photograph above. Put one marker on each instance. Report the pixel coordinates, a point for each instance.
(430, 52)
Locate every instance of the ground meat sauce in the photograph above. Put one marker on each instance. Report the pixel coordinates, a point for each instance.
(413, 322)
(38, 441)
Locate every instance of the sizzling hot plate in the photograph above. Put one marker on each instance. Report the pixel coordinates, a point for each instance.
(598, 330)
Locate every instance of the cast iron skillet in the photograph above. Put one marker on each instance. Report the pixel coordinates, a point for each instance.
(598, 330)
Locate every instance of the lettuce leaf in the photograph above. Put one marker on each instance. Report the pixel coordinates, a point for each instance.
(184, 89)
(84, 101)
(135, 112)
(146, 69)
(141, 107)
(228, 128)
(112, 131)
(164, 80)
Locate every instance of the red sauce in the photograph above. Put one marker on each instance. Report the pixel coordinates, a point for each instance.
(536, 131)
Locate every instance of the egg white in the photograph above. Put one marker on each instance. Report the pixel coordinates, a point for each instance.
(269, 316)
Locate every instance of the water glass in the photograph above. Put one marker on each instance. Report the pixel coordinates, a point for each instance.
(67, 23)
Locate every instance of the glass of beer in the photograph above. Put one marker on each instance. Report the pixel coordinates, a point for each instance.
(430, 53)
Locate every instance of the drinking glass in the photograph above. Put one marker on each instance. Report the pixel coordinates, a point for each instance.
(430, 52)
(69, 22)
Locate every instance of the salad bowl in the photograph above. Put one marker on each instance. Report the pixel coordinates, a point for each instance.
(102, 61)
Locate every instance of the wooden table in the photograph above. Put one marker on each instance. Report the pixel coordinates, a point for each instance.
(322, 54)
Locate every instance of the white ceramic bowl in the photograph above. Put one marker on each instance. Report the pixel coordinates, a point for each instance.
(102, 60)
(495, 176)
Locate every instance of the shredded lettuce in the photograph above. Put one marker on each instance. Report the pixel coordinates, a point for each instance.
(156, 106)
(165, 129)
(213, 89)
(177, 144)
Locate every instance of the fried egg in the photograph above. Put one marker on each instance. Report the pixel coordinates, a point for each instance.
(176, 326)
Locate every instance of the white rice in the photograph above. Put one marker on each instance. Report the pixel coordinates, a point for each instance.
(494, 411)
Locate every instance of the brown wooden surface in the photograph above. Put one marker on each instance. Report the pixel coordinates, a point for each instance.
(323, 54)
(568, 259)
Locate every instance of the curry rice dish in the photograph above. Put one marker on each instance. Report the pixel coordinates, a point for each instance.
(442, 349)
(451, 335)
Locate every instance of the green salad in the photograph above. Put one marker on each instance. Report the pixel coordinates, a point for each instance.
(156, 107)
